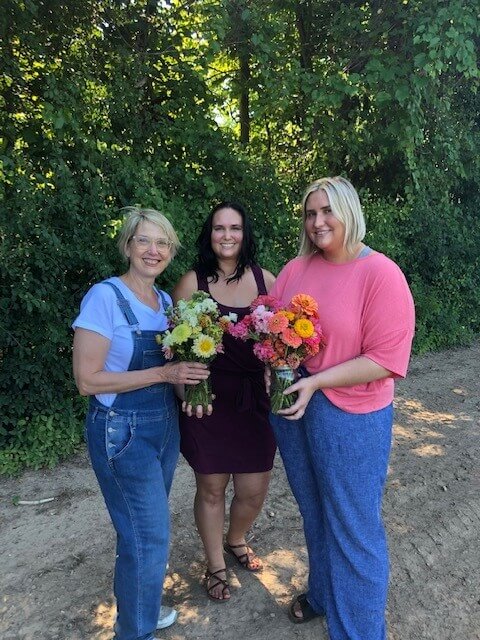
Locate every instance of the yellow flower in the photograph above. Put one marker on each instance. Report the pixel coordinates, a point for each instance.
(181, 333)
(204, 346)
(304, 328)
(288, 314)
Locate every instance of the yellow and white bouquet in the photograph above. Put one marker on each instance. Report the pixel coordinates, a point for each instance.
(195, 335)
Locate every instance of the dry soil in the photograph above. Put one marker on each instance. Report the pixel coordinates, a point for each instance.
(57, 557)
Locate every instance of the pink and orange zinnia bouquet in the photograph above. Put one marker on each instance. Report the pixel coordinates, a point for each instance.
(284, 336)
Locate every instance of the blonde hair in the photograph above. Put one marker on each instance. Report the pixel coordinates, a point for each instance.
(346, 207)
(133, 217)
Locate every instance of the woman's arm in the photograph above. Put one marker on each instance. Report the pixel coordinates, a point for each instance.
(359, 370)
(185, 287)
(269, 279)
(90, 351)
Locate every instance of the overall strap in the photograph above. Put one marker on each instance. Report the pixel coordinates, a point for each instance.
(124, 304)
(259, 279)
(165, 303)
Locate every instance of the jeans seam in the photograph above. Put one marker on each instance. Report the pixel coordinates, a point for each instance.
(132, 520)
(168, 433)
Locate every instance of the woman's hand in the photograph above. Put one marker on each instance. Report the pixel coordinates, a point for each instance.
(184, 372)
(199, 412)
(187, 408)
(90, 351)
(305, 387)
(267, 379)
(360, 370)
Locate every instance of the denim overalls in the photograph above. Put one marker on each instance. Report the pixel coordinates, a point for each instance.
(134, 447)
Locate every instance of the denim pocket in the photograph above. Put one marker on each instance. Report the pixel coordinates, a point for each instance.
(153, 358)
(119, 434)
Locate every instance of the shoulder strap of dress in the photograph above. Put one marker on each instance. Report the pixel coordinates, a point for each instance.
(202, 283)
(123, 303)
(259, 279)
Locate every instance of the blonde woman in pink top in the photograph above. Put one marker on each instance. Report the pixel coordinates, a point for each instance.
(335, 440)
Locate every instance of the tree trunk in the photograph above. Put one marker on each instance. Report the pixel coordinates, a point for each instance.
(244, 98)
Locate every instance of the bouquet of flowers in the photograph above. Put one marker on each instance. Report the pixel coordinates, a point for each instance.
(195, 335)
(284, 337)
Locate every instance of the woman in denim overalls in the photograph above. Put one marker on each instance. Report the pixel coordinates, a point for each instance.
(132, 421)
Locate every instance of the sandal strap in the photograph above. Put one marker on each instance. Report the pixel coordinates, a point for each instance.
(209, 574)
(308, 612)
(243, 558)
(214, 574)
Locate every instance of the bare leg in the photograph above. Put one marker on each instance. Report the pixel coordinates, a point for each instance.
(209, 509)
(250, 492)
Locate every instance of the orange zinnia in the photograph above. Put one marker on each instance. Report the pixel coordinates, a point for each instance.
(304, 303)
(277, 323)
(291, 338)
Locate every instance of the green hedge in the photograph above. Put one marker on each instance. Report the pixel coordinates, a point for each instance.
(56, 242)
(437, 246)
(122, 106)
(57, 246)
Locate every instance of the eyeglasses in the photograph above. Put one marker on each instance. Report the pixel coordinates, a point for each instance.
(144, 242)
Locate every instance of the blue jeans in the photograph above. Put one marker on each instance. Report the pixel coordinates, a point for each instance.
(134, 454)
(336, 463)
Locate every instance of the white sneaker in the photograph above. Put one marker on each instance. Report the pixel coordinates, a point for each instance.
(167, 617)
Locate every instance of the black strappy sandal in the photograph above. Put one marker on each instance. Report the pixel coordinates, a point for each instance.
(245, 559)
(217, 580)
(308, 612)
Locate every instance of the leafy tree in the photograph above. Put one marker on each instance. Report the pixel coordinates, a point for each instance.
(110, 111)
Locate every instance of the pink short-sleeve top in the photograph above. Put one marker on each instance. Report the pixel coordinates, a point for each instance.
(366, 309)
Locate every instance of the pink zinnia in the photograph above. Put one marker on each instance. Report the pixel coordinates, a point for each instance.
(270, 302)
(263, 350)
(314, 344)
(247, 320)
(260, 317)
(313, 341)
(238, 330)
(311, 350)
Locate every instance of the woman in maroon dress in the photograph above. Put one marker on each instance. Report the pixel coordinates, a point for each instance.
(236, 439)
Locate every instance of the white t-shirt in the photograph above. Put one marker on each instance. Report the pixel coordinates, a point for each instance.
(99, 312)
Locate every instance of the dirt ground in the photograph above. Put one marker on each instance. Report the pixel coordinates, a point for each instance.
(57, 558)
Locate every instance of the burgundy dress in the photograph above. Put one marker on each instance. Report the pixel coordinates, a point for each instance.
(237, 437)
